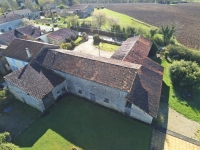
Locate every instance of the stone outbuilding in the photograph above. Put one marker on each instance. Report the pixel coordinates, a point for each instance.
(36, 86)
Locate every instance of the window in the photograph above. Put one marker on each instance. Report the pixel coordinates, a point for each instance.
(9, 28)
(2, 30)
(128, 104)
(58, 92)
(80, 91)
(106, 100)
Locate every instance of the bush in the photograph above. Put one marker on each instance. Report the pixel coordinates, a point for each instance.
(179, 52)
(72, 44)
(85, 36)
(172, 41)
(66, 46)
(4, 139)
(185, 74)
(158, 40)
(73, 37)
(97, 39)
(68, 39)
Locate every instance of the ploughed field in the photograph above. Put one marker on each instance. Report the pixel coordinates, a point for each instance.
(187, 16)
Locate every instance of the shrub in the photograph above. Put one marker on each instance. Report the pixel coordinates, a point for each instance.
(158, 40)
(72, 44)
(97, 39)
(68, 39)
(66, 46)
(185, 74)
(73, 37)
(85, 36)
(180, 52)
(172, 41)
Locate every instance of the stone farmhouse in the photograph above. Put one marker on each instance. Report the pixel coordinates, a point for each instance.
(82, 11)
(21, 52)
(9, 22)
(27, 13)
(126, 82)
(27, 32)
(61, 35)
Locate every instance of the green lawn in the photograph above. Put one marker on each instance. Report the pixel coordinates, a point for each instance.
(190, 109)
(107, 47)
(124, 20)
(81, 124)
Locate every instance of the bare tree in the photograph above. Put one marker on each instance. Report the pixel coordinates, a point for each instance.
(26, 22)
(112, 21)
(99, 19)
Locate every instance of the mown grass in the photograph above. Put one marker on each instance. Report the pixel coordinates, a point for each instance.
(77, 123)
(190, 109)
(123, 20)
(107, 47)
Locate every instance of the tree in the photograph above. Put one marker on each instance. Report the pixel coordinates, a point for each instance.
(5, 138)
(5, 6)
(112, 21)
(185, 74)
(72, 20)
(167, 32)
(99, 19)
(152, 33)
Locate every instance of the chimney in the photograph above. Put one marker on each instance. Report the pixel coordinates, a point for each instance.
(28, 53)
(33, 31)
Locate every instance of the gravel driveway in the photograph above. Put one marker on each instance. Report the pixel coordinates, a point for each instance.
(176, 122)
(88, 48)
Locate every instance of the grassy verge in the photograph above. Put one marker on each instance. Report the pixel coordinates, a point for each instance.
(77, 123)
(190, 109)
(107, 47)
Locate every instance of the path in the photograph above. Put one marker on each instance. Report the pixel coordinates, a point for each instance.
(88, 48)
(176, 122)
(162, 141)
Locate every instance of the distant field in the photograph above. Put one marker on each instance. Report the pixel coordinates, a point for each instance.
(186, 15)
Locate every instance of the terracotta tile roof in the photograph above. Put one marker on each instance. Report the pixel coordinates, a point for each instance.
(147, 87)
(137, 45)
(62, 34)
(17, 47)
(9, 17)
(35, 80)
(78, 7)
(8, 37)
(110, 72)
(21, 11)
(30, 31)
(146, 91)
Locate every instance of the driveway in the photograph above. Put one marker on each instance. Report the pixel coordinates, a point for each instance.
(88, 48)
(18, 118)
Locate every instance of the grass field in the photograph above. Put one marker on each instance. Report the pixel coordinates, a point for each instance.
(107, 47)
(123, 20)
(77, 123)
(190, 109)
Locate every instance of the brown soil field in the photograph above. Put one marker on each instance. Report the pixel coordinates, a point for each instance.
(186, 16)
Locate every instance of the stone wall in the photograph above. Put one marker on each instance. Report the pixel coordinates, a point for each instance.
(25, 98)
(107, 96)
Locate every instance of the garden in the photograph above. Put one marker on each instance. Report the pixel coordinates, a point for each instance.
(76, 123)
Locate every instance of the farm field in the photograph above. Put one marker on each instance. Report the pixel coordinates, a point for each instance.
(77, 123)
(185, 15)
